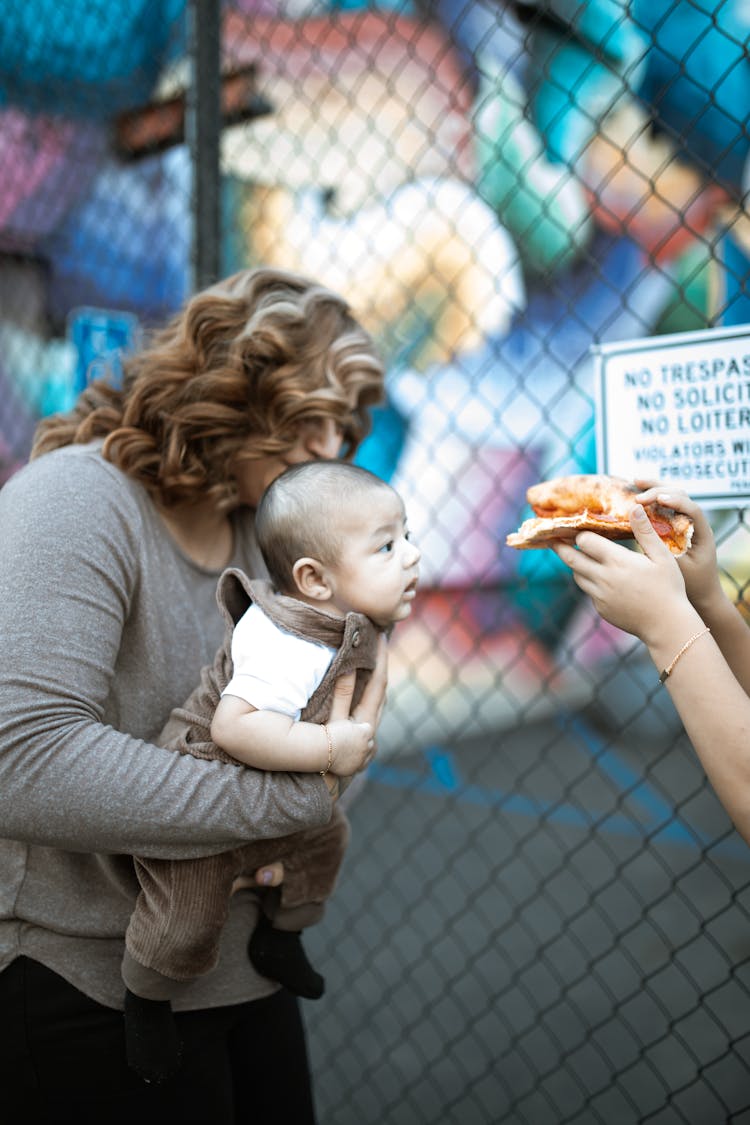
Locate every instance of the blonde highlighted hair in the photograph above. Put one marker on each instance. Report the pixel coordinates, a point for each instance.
(231, 377)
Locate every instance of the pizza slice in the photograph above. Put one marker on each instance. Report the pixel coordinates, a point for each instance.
(594, 502)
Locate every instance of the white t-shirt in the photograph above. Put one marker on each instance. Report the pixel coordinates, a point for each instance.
(274, 670)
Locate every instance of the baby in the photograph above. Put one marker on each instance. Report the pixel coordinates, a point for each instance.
(342, 572)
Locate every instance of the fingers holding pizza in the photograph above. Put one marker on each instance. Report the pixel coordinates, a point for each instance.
(671, 601)
(565, 506)
(699, 565)
(630, 589)
(578, 515)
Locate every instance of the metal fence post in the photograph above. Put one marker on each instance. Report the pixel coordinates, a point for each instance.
(203, 129)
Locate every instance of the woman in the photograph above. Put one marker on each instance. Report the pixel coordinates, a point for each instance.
(113, 539)
(697, 639)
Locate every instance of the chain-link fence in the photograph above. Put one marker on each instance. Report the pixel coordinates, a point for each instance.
(544, 914)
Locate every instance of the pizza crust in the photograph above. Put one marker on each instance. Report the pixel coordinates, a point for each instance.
(594, 502)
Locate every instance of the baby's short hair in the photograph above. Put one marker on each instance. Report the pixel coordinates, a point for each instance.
(297, 516)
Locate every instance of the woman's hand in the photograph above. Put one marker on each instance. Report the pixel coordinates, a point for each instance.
(370, 707)
(351, 744)
(698, 564)
(352, 732)
(272, 875)
(633, 591)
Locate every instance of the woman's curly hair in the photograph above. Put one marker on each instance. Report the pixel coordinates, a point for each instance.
(230, 377)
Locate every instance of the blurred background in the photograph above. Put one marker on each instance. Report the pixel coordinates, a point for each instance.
(544, 914)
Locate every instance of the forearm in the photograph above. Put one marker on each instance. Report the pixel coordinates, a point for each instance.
(73, 786)
(731, 633)
(267, 740)
(710, 699)
(714, 709)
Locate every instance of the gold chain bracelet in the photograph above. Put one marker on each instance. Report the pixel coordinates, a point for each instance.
(669, 668)
(330, 751)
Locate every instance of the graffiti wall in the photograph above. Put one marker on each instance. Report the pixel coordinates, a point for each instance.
(496, 186)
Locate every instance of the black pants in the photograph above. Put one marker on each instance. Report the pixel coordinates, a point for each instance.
(62, 1059)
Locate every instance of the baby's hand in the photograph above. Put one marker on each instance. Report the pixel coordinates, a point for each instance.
(352, 746)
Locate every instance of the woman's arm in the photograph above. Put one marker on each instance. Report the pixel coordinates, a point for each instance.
(700, 572)
(645, 594)
(71, 554)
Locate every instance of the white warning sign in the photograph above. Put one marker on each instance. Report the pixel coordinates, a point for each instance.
(677, 409)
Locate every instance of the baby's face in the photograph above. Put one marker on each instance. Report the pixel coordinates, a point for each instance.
(378, 570)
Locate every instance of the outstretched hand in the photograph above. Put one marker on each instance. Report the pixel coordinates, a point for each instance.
(698, 564)
(629, 589)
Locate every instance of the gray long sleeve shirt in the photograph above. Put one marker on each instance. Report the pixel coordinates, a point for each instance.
(104, 627)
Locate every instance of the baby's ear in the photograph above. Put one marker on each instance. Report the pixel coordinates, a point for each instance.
(310, 580)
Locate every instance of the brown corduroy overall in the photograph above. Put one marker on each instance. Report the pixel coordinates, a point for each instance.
(173, 933)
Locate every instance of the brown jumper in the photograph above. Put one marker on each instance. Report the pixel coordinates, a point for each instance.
(174, 930)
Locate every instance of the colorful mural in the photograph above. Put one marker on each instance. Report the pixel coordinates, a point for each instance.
(496, 187)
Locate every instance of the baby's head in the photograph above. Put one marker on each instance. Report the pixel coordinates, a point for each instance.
(334, 534)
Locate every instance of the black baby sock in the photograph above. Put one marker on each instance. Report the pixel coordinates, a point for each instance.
(151, 1040)
(278, 955)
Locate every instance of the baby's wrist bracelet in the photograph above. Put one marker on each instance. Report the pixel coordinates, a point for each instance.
(690, 641)
(330, 751)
